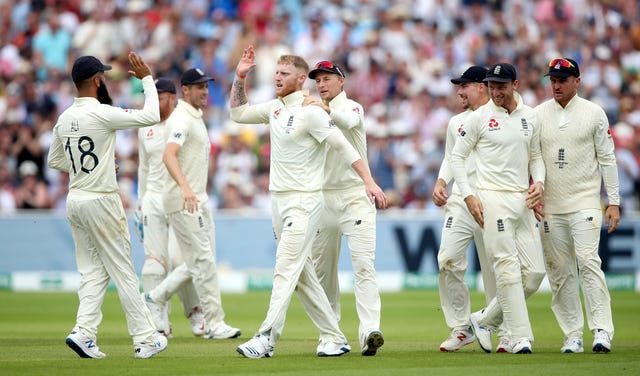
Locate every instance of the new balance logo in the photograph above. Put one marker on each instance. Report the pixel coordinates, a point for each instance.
(589, 219)
(358, 222)
(546, 227)
(500, 223)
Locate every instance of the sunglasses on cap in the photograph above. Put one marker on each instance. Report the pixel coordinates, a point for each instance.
(329, 65)
(564, 63)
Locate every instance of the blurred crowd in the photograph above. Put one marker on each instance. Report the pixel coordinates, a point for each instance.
(399, 57)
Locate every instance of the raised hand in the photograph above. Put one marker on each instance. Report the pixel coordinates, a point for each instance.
(140, 69)
(247, 62)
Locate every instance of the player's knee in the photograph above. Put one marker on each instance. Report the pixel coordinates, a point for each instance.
(589, 264)
(531, 282)
(153, 267)
(448, 263)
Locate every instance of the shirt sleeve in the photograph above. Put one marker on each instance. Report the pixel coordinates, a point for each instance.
(466, 142)
(118, 118)
(605, 153)
(338, 142)
(348, 119)
(252, 114)
(318, 123)
(445, 168)
(56, 158)
(143, 166)
(536, 163)
(177, 130)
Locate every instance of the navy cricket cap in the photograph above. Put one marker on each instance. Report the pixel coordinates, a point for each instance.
(86, 66)
(475, 73)
(194, 76)
(563, 67)
(326, 66)
(501, 72)
(164, 85)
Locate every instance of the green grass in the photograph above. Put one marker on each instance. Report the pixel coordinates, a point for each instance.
(33, 327)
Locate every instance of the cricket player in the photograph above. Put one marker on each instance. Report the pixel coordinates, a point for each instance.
(83, 146)
(299, 135)
(161, 250)
(506, 140)
(578, 153)
(459, 227)
(186, 204)
(347, 210)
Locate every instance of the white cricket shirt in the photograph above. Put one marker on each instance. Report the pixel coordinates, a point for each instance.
(576, 142)
(186, 128)
(453, 128)
(84, 140)
(297, 132)
(152, 173)
(505, 145)
(348, 115)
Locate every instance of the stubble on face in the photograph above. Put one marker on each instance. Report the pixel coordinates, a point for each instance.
(286, 80)
(197, 95)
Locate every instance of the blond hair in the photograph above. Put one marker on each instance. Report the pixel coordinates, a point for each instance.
(295, 60)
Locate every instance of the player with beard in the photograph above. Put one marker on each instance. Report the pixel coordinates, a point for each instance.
(299, 136)
(83, 146)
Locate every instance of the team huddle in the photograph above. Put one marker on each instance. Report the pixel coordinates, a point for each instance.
(512, 164)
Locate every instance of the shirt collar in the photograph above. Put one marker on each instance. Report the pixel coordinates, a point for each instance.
(338, 99)
(196, 113)
(569, 105)
(293, 98)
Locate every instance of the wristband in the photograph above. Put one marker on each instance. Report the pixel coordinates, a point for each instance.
(240, 76)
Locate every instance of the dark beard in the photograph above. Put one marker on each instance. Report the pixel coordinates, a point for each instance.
(103, 94)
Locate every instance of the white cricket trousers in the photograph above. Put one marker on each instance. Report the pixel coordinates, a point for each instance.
(512, 244)
(567, 239)
(296, 217)
(162, 253)
(195, 234)
(103, 252)
(458, 230)
(349, 212)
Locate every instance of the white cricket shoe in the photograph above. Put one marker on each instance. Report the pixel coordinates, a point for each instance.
(196, 318)
(372, 343)
(332, 348)
(504, 346)
(458, 339)
(83, 345)
(223, 331)
(256, 348)
(159, 314)
(147, 349)
(601, 342)
(483, 333)
(523, 346)
(572, 345)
